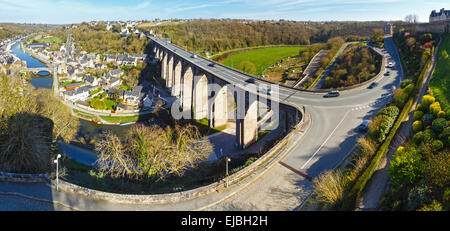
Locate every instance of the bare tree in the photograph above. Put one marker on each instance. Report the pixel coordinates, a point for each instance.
(152, 151)
(113, 157)
(411, 19)
(65, 126)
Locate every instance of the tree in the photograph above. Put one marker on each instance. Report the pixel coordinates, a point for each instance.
(65, 126)
(152, 152)
(406, 166)
(411, 19)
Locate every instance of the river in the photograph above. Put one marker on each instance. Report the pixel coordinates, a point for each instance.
(38, 82)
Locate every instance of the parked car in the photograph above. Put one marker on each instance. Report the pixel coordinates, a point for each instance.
(334, 93)
(251, 80)
(388, 73)
(364, 126)
(390, 65)
(372, 85)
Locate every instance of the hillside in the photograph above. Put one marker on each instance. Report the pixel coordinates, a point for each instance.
(440, 83)
(220, 35)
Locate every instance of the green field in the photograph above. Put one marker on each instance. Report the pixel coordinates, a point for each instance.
(256, 61)
(440, 82)
(47, 39)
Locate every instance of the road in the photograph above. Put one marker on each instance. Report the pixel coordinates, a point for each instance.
(330, 138)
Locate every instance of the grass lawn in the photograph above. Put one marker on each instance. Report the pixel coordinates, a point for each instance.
(440, 82)
(204, 129)
(111, 105)
(125, 119)
(262, 58)
(39, 39)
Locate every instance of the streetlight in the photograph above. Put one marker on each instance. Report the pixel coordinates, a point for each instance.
(228, 159)
(56, 162)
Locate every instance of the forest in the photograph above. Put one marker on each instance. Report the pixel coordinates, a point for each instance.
(97, 39)
(220, 35)
(10, 30)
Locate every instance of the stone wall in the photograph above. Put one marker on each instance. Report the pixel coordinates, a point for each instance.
(24, 178)
(249, 173)
(433, 27)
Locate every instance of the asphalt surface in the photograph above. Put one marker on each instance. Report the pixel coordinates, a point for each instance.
(330, 138)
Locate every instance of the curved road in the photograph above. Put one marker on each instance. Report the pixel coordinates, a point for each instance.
(330, 138)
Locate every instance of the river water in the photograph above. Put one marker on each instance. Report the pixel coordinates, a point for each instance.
(44, 82)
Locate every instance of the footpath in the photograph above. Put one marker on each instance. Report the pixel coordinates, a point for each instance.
(379, 184)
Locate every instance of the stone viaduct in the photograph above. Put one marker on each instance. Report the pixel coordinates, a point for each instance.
(204, 91)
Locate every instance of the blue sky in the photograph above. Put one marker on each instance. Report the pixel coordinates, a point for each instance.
(75, 11)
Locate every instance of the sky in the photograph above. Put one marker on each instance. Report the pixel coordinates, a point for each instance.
(77, 11)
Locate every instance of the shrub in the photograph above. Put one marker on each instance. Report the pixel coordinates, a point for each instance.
(447, 114)
(437, 169)
(368, 146)
(434, 206)
(400, 96)
(330, 187)
(419, 196)
(409, 89)
(405, 83)
(441, 114)
(418, 138)
(427, 100)
(418, 115)
(446, 132)
(428, 136)
(438, 125)
(406, 166)
(421, 108)
(446, 197)
(417, 126)
(427, 119)
(437, 145)
(435, 108)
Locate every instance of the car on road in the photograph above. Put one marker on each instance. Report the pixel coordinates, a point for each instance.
(265, 89)
(212, 64)
(194, 56)
(251, 80)
(334, 93)
(372, 85)
(364, 126)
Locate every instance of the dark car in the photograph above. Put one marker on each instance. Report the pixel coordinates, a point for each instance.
(251, 80)
(372, 85)
(388, 73)
(364, 126)
(212, 64)
(334, 93)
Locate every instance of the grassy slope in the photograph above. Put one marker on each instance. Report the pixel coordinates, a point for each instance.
(440, 83)
(262, 58)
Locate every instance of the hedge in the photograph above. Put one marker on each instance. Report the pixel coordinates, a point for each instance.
(361, 182)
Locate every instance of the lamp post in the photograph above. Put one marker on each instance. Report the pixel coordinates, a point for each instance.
(56, 162)
(227, 159)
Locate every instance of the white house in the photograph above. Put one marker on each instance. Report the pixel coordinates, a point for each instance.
(81, 93)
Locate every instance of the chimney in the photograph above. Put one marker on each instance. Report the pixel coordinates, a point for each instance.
(442, 10)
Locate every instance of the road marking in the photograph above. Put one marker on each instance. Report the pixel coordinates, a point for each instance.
(325, 140)
(296, 171)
